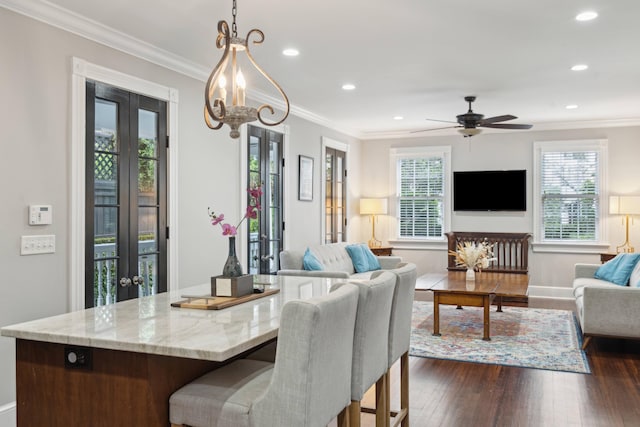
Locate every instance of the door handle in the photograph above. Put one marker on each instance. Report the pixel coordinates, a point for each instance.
(138, 280)
(263, 237)
(266, 257)
(125, 281)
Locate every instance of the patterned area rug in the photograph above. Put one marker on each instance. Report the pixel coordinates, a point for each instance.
(523, 337)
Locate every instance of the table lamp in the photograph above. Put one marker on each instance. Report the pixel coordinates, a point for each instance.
(373, 207)
(627, 206)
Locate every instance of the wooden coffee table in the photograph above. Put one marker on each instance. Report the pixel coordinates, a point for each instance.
(454, 289)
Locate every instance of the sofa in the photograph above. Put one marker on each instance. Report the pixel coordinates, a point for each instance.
(605, 308)
(335, 261)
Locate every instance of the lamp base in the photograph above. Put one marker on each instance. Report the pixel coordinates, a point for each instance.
(374, 243)
(625, 248)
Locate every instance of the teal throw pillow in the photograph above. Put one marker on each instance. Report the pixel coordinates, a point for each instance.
(363, 259)
(618, 270)
(310, 262)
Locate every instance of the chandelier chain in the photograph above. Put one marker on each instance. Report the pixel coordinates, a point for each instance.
(234, 27)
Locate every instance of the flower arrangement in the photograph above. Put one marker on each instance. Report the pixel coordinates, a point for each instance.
(473, 255)
(251, 212)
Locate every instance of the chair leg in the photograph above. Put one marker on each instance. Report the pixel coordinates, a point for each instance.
(381, 401)
(404, 388)
(387, 392)
(585, 342)
(343, 418)
(354, 413)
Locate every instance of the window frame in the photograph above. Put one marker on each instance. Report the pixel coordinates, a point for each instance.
(401, 153)
(570, 246)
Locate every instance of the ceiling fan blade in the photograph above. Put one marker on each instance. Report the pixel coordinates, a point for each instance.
(507, 126)
(497, 119)
(427, 130)
(443, 121)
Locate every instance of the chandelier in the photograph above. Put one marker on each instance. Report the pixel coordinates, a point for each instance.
(220, 110)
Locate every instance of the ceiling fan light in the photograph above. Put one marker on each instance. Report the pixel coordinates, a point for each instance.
(469, 131)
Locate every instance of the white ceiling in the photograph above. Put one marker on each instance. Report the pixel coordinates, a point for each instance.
(413, 58)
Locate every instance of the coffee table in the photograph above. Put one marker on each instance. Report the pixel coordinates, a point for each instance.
(454, 289)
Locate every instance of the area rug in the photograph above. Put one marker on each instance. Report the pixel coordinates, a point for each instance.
(522, 337)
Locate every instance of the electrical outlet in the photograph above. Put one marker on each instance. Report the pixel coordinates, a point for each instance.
(77, 357)
(34, 245)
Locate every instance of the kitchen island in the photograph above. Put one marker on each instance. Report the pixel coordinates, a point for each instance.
(118, 364)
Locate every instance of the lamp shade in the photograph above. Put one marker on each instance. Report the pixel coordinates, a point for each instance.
(373, 206)
(624, 205)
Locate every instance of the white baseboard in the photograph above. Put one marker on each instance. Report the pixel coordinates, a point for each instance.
(550, 292)
(8, 415)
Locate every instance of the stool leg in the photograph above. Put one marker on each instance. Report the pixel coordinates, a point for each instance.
(343, 418)
(387, 392)
(354, 414)
(381, 402)
(404, 388)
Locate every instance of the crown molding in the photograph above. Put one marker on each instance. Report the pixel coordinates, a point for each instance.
(79, 25)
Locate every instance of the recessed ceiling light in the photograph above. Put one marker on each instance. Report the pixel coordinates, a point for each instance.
(579, 67)
(348, 86)
(586, 16)
(571, 107)
(290, 52)
(398, 118)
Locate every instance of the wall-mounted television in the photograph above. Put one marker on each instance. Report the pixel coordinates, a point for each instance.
(500, 190)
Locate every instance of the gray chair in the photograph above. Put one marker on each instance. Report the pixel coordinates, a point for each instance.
(308, 385)
(399, 339)
(370, 345)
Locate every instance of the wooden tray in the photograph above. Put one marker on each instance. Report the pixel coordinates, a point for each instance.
(218, 303)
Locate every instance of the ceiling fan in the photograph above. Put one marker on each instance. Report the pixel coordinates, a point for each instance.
(470, 122)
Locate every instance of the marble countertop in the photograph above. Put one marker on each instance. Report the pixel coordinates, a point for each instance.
(151, 325)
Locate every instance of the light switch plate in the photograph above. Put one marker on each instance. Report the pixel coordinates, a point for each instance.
(34, 245)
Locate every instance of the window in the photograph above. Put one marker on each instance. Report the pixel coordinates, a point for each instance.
(422, 191)
(570, 186)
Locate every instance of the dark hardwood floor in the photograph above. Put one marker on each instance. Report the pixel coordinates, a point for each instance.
(446, 393)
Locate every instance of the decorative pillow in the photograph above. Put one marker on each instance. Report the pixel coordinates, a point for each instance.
(634, 280)
(310, 262)
(618, 270)
(363, 259)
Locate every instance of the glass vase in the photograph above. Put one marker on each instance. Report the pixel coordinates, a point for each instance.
(232, 267)
(471, 275)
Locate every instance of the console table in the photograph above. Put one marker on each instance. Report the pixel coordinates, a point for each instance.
(382, 251)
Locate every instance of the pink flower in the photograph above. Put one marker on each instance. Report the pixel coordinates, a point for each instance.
(255, 192)
(229, 230)
(217, 219)
(252, 212)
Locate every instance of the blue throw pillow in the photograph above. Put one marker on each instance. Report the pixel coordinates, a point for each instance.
(310, 262)
(363, 259)
(618, 270)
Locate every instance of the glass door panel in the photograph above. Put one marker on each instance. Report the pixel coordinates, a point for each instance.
(265, 168)
(335, 201)
(126, 196)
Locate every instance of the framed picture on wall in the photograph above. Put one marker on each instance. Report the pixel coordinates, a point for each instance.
(305, 178)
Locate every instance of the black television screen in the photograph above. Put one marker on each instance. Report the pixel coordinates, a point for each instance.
(490, 190)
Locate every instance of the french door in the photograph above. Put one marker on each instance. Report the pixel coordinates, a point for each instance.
(336, 196)
(126, 196)
(265, 167)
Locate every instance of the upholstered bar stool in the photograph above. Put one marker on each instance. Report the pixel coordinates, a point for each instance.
(370, 345)
(308, 385)
(399, 339)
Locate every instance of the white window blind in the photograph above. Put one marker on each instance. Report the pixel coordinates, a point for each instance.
(421, 192)
(570, 192)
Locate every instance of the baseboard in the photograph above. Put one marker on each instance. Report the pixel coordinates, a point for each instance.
(8, 415)
(550, 292)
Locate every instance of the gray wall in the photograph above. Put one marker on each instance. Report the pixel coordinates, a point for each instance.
(35, 77)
